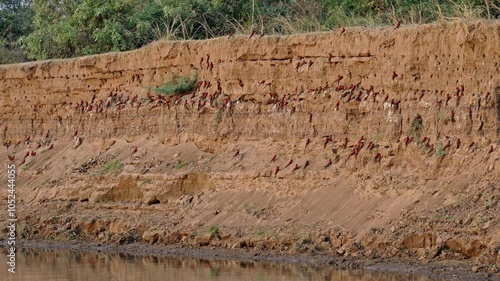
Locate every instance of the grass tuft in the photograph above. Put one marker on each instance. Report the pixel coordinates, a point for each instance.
(213, 231)
(112, 167)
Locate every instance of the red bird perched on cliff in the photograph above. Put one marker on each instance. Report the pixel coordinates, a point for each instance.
(237, 153)
(75, 133)
(295, 168)
(11, 158)
(378, 157)
(327, 140)
(408, 140)
(240, 82)
(452, 116)
(329, 163)
(422, 93)
(230, 35)
(308, 141)
(310, 117)
(252, 34)
(469, 112)
(448, 98)
(470, 146)
(448, 145)
(211, 67)
(276, 171)
(306, 164)
(274, 158)
(398, 24)
(346, 140)
(394, 75)
(289, 163)
(491, 149)
(458, 143)
(330, 56)
(33, 153)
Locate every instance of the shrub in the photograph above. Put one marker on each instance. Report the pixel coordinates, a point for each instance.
(178, 85)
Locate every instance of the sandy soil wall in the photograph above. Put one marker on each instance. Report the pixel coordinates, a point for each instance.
(373, 142)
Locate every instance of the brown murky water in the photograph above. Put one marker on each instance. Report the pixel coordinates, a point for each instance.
(66, 265)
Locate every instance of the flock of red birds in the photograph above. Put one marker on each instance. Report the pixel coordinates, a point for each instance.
(207, 95)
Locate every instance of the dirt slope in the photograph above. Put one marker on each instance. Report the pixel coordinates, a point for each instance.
(394, 137)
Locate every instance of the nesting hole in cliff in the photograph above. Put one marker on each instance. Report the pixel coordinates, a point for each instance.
(154, 201)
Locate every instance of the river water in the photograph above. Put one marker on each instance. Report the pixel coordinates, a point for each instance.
(69, 265)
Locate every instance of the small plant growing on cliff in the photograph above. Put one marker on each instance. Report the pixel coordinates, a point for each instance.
(27, 166)
(181, 165)
(213, 231)
(441, 151)
(218, 117)
(112, 167)
(416, 126)
(178, 85)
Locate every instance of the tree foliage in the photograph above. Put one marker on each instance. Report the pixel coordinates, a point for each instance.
(67, 28)
(15, 21)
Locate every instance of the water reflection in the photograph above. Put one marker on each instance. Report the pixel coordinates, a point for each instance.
(66, 265)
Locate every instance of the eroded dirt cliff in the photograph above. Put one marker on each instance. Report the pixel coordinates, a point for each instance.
(367, 143)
